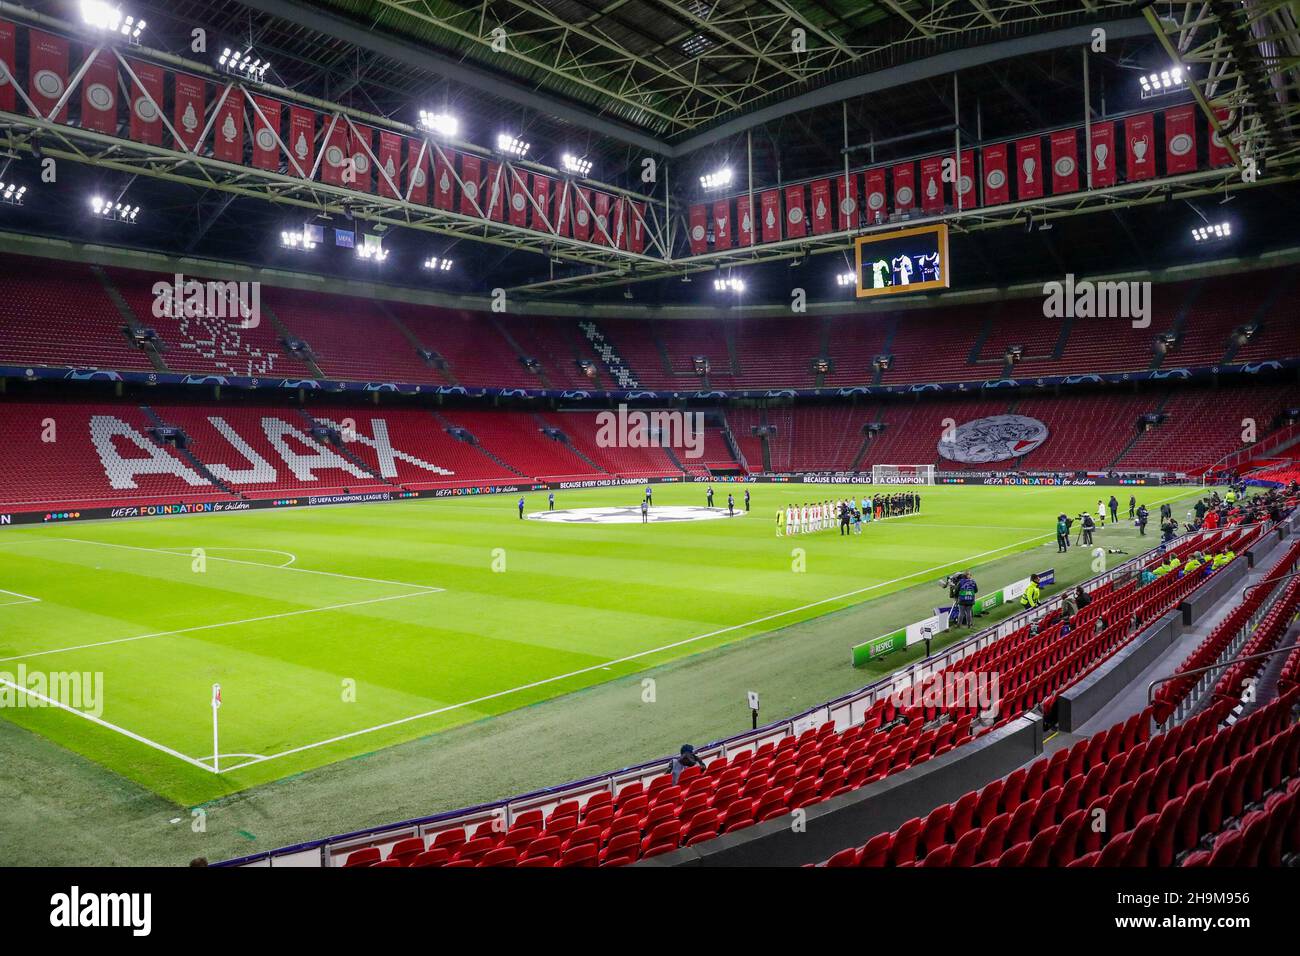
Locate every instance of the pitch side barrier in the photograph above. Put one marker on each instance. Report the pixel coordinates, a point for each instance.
(845, 711)
(158, 507)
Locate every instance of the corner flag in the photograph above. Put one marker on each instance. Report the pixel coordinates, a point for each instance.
(216, 696)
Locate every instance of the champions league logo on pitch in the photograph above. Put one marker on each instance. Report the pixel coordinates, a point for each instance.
(996, 438)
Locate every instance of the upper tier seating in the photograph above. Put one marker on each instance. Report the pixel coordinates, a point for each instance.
(58, 314)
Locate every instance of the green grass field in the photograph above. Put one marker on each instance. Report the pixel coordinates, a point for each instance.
(338, 632)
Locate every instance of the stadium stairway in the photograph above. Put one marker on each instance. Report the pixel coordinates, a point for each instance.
(150, 348)
(476, 444)
(341, 447)
(189, 457)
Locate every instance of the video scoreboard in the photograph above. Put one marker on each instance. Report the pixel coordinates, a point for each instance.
(909, 260)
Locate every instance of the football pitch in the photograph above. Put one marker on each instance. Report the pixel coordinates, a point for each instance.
(339, 631)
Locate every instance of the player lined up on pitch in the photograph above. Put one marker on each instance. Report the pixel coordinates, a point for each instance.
(847, 513)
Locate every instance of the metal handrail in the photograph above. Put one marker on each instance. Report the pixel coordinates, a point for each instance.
(1211, 667)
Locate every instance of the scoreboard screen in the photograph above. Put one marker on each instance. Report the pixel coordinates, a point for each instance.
(909, 260)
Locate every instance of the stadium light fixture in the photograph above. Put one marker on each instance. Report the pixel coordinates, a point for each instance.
(717, 179)
(506, 143)
(438, 264)
(372, 252)
(12, 193)
(114, 211)
(243, 64)
(1212, 233)
(579, 166)
(104, 16)
(1164, 81)
(297, 240)
(729, 285)
(441, 124)
(845, 279)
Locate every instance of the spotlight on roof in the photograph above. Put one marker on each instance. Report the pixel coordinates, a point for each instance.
(441, 124)
(105, 16)
(297, 240)
(372, 250)
(1212, 233)
(114, 211)
(729, 285)
(846, 278)
(576, 165)
(243, 64)
(512, 145)
(1163, 81)
(717, 179)
(438, 264)
(12, 193)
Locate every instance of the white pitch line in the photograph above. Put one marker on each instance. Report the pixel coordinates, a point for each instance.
(104, 723)
(255, 564)
(188, 553)
(631, 657)
(209, 627)
(24, 598)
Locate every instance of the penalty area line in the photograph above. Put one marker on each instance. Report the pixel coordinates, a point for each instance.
(50, 701)
(631, 657)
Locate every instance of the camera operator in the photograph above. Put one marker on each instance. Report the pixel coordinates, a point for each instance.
(1089, 526)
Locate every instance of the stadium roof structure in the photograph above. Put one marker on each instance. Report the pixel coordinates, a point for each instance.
(783, 90)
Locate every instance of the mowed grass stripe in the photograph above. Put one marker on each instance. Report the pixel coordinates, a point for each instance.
(590, 602)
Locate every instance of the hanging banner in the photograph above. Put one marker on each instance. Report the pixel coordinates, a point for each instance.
(932, 184)
(1218, 155)
(1029, 168)
(518, 193)
(187, 112)
(47, 71)
(876, 203)
(618, 216)
(8, 47)
(146, 103)
(1139, 138)
(1180, 140)
(542, 197)
(582, 213)
(471, 176)
(228, 129)
(266, 142)
(636, 227)
(997, 185)
(904, 176)
(822, 217)
(796, 217)
(99, 95)
(1065, 161)
(769, 206)
(494, 187)
(564, 207)
(1102, 157)
(846, 202)
(444, 183)
(416, 182)
(390, 163)
(722, 224)
(964, 188)
(697, 229)
(361, 143)
(334, 161)
(302, 141)
(745, 220)
(602, 232)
